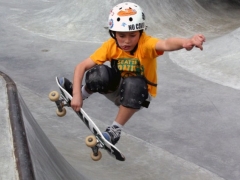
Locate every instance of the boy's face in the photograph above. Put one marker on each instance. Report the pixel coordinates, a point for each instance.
(127, 40)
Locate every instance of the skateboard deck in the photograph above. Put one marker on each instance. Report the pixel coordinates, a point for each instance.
(97, 140)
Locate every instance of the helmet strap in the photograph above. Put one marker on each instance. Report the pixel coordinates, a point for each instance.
(113, 35)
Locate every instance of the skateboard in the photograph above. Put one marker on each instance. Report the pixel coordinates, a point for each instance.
(95, 141)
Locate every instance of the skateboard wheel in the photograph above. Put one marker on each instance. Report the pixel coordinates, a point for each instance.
(91, 141)
(61, 114)
(54, 96)
(96, 157)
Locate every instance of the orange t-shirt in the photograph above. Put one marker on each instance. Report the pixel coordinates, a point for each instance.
(143, 62)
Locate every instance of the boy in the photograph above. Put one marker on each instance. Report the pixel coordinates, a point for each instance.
(131, 80)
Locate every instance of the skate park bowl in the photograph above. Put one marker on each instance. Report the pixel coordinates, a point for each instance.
(191, 129)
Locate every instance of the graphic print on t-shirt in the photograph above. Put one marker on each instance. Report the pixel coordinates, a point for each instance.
(130, 67)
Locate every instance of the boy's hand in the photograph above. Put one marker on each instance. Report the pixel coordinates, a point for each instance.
(197, 41)
(76, 102)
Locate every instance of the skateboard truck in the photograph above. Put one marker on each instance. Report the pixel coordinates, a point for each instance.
(93, 143)
(55, 97)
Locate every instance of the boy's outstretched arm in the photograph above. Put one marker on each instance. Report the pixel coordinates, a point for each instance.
(172, 44)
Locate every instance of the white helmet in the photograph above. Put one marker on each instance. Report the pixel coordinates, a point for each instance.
(126, 17)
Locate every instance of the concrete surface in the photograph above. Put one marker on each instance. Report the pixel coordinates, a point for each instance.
(191, 130)
(7, 158)
(47, 162)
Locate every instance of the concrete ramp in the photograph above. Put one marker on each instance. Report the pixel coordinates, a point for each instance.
(36, 157)
(85, 20)
(191, 129)
(26, 152)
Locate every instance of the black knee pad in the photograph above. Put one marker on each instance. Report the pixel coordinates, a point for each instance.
(102, 79)
(133, 92)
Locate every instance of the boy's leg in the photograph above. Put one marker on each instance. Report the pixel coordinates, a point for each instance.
(113, 132)
(133, 94)
(66, 84)
(102, 79)
(124, 114)
(85, 92)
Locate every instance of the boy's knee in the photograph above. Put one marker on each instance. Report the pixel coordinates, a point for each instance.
(102, 79)
(134, 92)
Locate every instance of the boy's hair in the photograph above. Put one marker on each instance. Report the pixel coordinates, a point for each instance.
(113, 33)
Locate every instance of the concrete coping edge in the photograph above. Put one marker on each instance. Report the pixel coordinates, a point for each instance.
(20, 143)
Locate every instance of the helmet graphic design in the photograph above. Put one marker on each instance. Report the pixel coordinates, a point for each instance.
(127, 12)
(126, 17)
